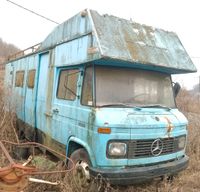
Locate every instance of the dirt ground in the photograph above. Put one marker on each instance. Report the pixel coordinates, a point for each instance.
(187, 181)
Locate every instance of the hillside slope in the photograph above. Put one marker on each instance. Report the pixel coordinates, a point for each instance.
(6, 49)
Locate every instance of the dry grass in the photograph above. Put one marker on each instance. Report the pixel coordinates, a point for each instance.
(187, 181)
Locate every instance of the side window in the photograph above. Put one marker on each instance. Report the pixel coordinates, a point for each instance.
(67, 84)
(87, 90)
(31, 79)
(19, 79)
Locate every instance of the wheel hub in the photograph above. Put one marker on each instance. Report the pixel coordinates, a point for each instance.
(82, 174)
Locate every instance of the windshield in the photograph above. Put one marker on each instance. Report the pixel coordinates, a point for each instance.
(134, 87)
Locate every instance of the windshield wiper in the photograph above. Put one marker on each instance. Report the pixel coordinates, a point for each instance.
(121, 105)
(115, 105)
(137, 107)
(155, 106)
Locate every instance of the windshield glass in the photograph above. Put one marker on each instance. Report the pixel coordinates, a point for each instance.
(134, 87)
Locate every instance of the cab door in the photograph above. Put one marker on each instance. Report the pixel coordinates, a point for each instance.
(65, 104)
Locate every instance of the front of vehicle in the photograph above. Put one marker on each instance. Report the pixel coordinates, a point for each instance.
(140, 134)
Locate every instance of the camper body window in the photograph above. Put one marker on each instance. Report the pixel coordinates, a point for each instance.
(19, 79)
(31, 78)
(67, 84)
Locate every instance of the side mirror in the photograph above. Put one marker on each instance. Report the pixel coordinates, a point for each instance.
(176, 88)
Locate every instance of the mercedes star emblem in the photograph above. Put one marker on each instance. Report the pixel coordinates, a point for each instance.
(157, 147)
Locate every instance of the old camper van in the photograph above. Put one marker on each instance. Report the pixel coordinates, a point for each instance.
(99, 90)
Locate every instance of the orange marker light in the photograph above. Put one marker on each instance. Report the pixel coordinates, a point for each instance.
(104, 130)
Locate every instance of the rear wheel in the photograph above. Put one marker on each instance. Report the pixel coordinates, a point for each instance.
(21, 152)
(80, 175)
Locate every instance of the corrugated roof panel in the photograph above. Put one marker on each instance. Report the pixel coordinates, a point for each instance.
(126, 41)
(136, 43)
(74, 27)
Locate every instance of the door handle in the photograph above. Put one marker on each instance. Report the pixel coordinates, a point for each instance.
(55, 110)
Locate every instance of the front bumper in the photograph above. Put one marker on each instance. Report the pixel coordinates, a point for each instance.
(134, 175)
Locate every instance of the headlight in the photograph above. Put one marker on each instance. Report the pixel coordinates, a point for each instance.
(117, 149)
(181, 142)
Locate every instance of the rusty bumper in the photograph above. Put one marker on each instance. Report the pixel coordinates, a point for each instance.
(135, 175)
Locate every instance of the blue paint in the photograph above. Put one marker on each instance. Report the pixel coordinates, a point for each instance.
(75, 44)
(42, 91)
(30, 95)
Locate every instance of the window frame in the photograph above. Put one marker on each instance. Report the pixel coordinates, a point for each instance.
(96, 66)
(16, 77)
(58, 83)
(28, 85)
(93, 83)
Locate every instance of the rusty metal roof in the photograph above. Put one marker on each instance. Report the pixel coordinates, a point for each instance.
(126, 41)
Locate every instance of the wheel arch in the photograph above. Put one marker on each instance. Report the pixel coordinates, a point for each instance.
(74, 144)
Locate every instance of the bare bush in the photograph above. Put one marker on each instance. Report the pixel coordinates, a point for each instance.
(7, 118)
(7, 125)
(188, 103)
(7, 49)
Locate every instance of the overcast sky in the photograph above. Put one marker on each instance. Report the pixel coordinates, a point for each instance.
(25, 29)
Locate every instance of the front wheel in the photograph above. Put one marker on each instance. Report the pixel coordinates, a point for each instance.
(80, 175)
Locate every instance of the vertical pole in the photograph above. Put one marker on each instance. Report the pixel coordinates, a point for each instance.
(199, 90)
(199, 84)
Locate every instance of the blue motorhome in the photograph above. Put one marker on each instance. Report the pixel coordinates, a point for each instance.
(99, 90)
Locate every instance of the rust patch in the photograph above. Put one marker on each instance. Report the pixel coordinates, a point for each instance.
(170, 126)
(13, 177)
(133, 50)
(93, 50)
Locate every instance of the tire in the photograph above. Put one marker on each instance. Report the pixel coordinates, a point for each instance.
(80, 177)
(20, 153)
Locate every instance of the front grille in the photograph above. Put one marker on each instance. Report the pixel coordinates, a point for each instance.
(142, 148)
